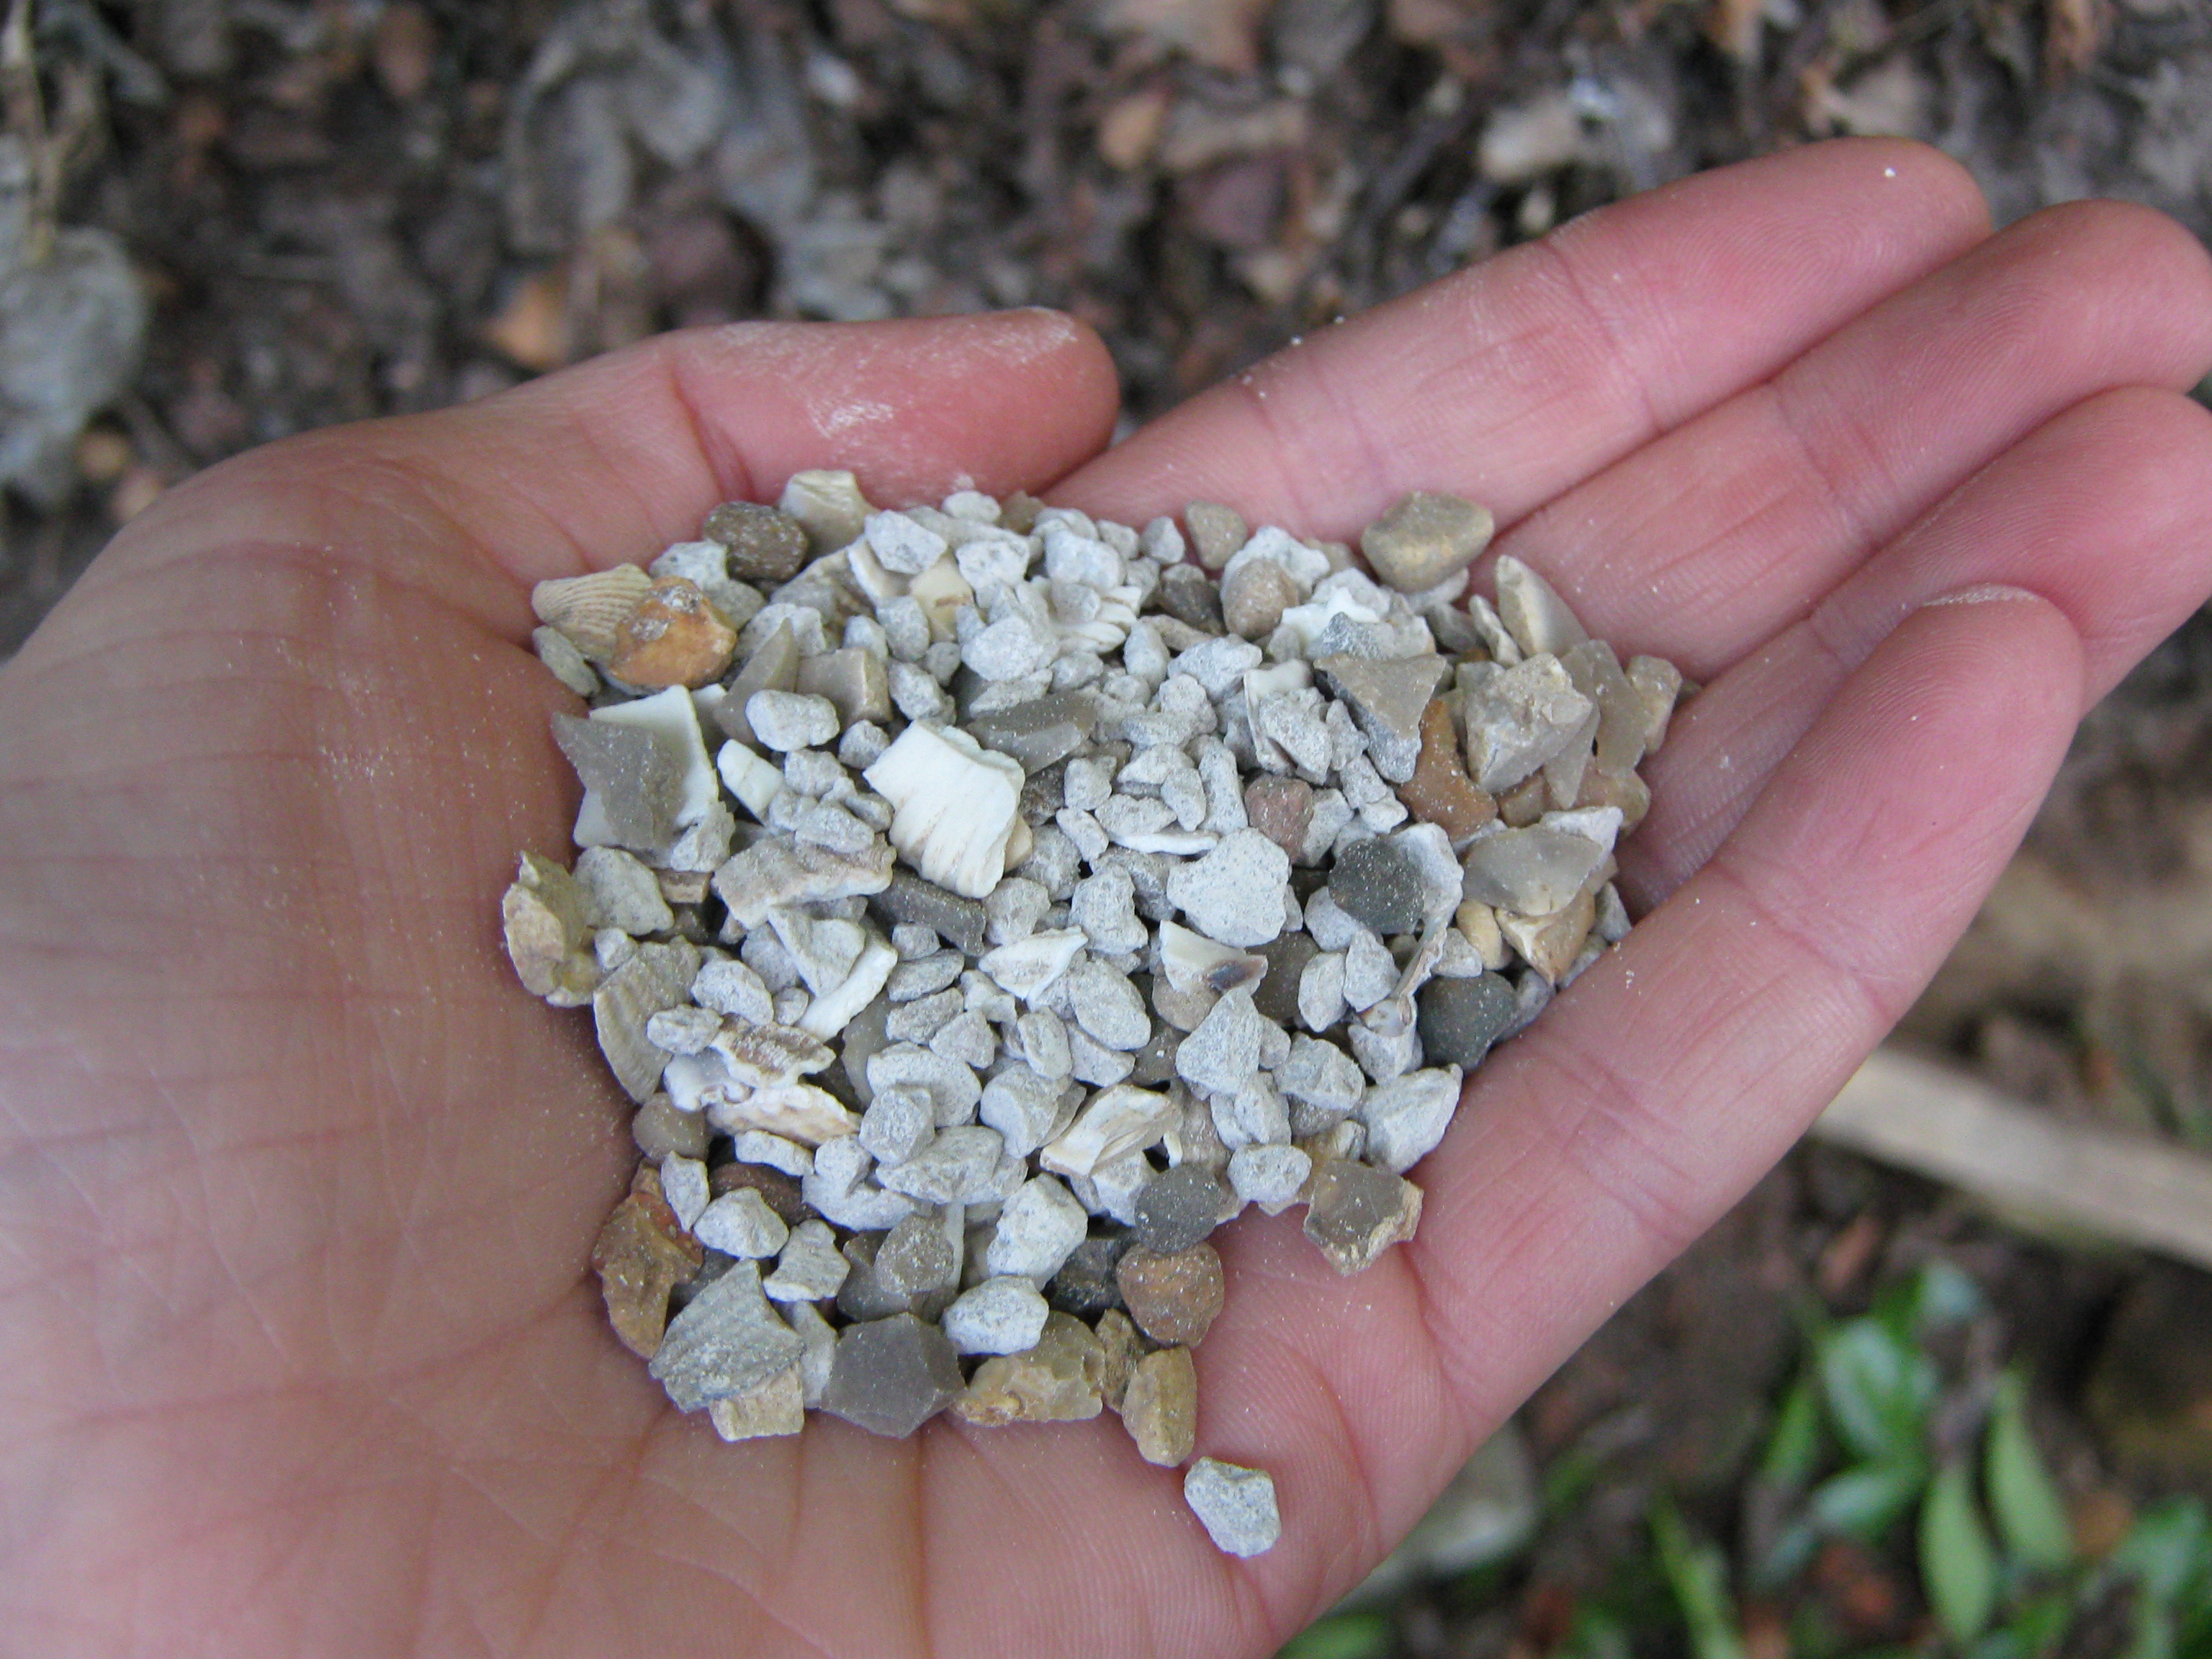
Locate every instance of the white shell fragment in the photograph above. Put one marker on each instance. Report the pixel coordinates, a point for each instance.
(1047, 904)
(955, 803)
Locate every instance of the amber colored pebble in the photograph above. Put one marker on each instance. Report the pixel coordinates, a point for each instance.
(1440, 791)
(1160, 1407)
(642, 1254)
(673, 637)
(1172, 1298)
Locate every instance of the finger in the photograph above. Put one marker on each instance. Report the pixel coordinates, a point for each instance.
(2106, 511)
(616, 458)
(1522, 375)
(1676, 1072)
(1726, 529)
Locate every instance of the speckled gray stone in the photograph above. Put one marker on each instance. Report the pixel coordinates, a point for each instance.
(1237, 1505)
(1381, 884)
(1225, 1050)
(1460, 1018)
(1177, 1208)
(1003, 1314)
(1235, 893)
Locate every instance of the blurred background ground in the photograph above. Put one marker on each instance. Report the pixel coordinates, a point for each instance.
(225, 221)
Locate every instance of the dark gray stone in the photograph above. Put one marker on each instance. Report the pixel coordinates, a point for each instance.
(1379, 883)
(916, 1257)
(1460, 1018)
(958, 920)
(1085, 1286)
(1039, 733)
(891, 1375)
(1191, 596)
(1276, 995)
(1177, 1208)
(1156, 1060)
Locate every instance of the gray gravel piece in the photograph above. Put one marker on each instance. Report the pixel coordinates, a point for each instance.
(967, 1037)
(1107, 1006)
(956, 1167)
(953, 1088)
(1235, 893)
(1093, 1062)
(809, 1267)
(1461, 1018)
(918, 1254)
(1381, 883)
(1269, 1177)
(1002, 1315)
(897, 1123)
(1321, 1075)
(1225, 1050)
(925, 977)
(891, 1375)
(1105, 908)
(1015, 906)
(959, 921)
(1370, 973)
(792, 719)
(1385, 1053)
(1023, 1107)
(726, 1340)
(1406, 1116)
(1216, 532)
(740, 1224)
(732, 988)
(1037, 1229)
(1519, 718)
(637, 781)
(901, 545)
(1178, 1208)
(923, 1018)
(1534, 871)
(1237, 1506)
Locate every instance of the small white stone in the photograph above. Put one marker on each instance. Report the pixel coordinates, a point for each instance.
(903, 546)
(684, 1184)
(755, 781)
(1406, 1116)
(958, 1167)
(810, 1268)
(1023, 1107)
(1235, 893)
(899, 1123)
(683, 1030)
(740, 1224)
(1015, 906)
(821, 1340)
(1037, 1230)
(1237, 1506)
(790, 719)
(623, 892)
(1371, 972)
(1321, 991)
(956, 805)
(1270, 1177)
(1107, 1006)
(1002, 1315)
(759, 1147)
(1118, 1121)
(1225, 1049)
(1029, 967)
(953, 1087)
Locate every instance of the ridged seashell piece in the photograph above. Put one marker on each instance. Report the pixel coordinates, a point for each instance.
(590, 609)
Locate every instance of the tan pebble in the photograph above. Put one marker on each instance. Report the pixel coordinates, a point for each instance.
(1425, 538)
(1440, 791)
(1055, 1382)
(1255, 596)
(1120, 1346)
(672, 637)
(1216, 532)
(1550, 944)
(1356, 1212)
(776, 1406)
(1478, 924)
(590, 609)
(764, 544)
(547, 915)
(1172, 1298)
(642, 1255)
(1659, 685)
(1160, 1406)
(1626, 791)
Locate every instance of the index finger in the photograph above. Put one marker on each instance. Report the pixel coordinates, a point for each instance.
(1524, 374)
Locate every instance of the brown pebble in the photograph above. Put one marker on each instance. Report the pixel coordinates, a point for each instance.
(1191, 596)
(765, 544)
(1524, 803)
(1627, 790)
(1055, 1382)
(1173, 1298)
(1254, 596)
(1440, 791)
(1120, 1347)
(1160, 1406)
(777, 1190)
(673, 637)
(641, 1256)
(1280, 809)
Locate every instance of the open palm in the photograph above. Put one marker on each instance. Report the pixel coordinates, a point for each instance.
(301, 1353)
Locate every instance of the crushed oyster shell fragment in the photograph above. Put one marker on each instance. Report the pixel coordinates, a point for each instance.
(988, 912)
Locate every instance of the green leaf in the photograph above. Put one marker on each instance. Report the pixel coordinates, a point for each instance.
(1345, 1636)
(1697, 1574)
(1595, 1634)
(2022, 1497)
(2038, 1624)
(1879, 1388)
(2168, 1550)
(1866, 1501)
(1958, 1567)
(1793, 1449)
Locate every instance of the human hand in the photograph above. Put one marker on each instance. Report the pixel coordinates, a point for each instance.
(302, 1355)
